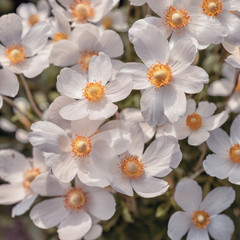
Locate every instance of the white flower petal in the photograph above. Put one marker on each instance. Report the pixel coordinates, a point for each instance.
(221, 227)
(12, 193)
(24, 205)
(218, 200)
(198, 136)
(218, 166)
(48, 137)
(48, 213)
(8, 83)
(215, 121)
(234, 174)
(149, 187)
(100, 68)
(197, 234)
(235, 133)
(71, 83)
(10, 29)
(152, 106)
(188, 195)
(206, 109)
(94, 233)
(178, 225)
(101, 204)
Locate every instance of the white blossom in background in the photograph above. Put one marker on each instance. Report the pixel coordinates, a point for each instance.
(95, 93)
(8, 84)
(201, 218)
(73, 153)
(22, 54)
(225, 87)
(234, 50)
(87, 41)
(197, 123)
(32, 14)
(165, 76)
(73, 210)
(115, 20)
(137, 2)
(225, 160)
(138, 170)
(181, 19)
(20, 172)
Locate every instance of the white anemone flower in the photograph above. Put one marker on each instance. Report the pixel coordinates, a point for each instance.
(181, 19)
(201, 218)
(20, 53)
(116, 20)
(8, 84)
(75, 211)
(83, 11)
(225, 162)
(32, 14)
(73, 153)
(20, 172)
(96, 92)
(197, 122)
(165, 76)
(225, 87)
(140, 171)
(87, 41)
(234, 50)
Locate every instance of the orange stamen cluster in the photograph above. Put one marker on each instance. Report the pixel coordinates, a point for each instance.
(176, 19)
(82, 10)
(29, 176)
(85, 58)
(132, 167)
(234, 153)
(200, 219)
(159, 74)
(33, 19)
(94, 91)
(238, 86)
(59, 36)
(81, 146)
(212, 7)
(194, 121)
(75, 199)
(15, 54)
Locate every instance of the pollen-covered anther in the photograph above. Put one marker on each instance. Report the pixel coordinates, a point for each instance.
(29, 176)
(176, 19)
(200, 219)
(33, 19)
(85, 58)
(75, 199)
(132, 167)
(212, 7)
(159, 75)
(234, 153)
(194, 121)
(59, 36)
(15, 54)
(94, 91)
(82, 10)
(81, 146)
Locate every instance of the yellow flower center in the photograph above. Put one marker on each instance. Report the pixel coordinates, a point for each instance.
(59, 36)
(159, 75)
(33, 19)
(132, 167)
(212, 7)
(29, 176)
(200, 219)
(194, 121)
(15, 54)
(85, 58)
(75, 199)
(107, 22)
(82, 10)
(94, 91)
(176, 19)
(81, 146)
(234, 153)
